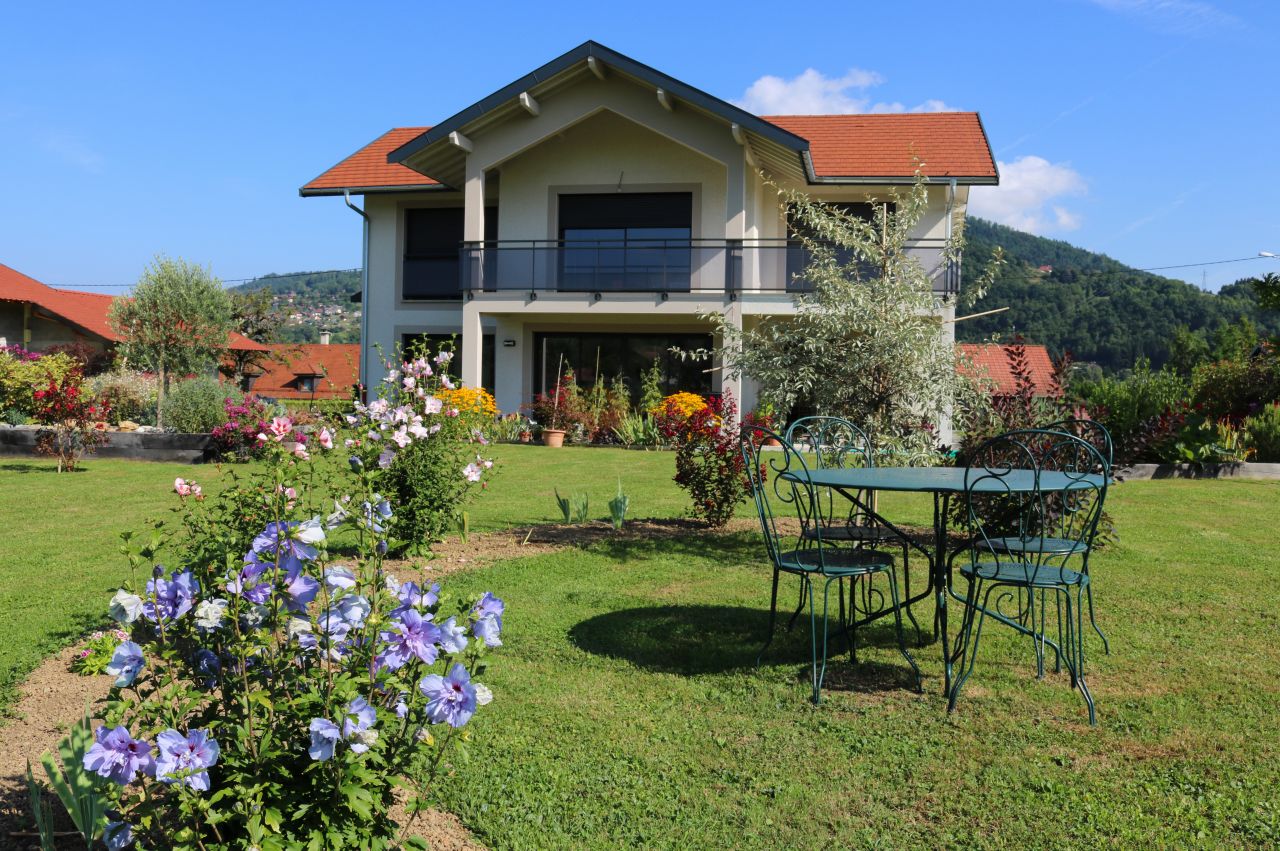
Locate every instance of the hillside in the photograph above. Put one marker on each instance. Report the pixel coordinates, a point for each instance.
(312, 302)
(1090, 304)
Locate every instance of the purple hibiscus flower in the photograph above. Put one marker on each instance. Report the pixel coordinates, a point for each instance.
(488, 629)
(251, 582)
(126, 663)
(413, 596)
(414, 637)
(451, 699)
(357, 725)
(290, 541)
(118, 756)
(300, 589)
(324, 735)
(170, 598)
(453, 638)
(186, 758)
(488, 605)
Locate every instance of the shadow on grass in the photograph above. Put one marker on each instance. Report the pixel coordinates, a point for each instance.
(34, 468)
(702, 639)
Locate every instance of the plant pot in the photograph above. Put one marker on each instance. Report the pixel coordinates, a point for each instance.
(526, 437)
(553, 437)
(771, 441)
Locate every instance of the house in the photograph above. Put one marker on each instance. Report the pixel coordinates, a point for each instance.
(592, 210)
(38, 317)
(308, 371)
(994, 362)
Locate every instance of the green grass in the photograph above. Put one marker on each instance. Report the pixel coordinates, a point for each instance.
(628, 710)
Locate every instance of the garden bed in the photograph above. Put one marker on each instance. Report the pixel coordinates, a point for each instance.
(131, 445)
(1249, 470)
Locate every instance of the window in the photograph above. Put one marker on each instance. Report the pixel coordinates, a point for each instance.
(620, 355)
(433, 342)
(798, 256)
(306, 383)
(432, 239)
(630, 241)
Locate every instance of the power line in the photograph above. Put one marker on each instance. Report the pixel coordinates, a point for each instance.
(264, 278)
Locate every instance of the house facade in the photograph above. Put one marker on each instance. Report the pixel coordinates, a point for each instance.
(594, 211)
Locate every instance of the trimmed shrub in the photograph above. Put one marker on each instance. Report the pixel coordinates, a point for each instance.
(198, 405)
(1263, 430)
(22, 373)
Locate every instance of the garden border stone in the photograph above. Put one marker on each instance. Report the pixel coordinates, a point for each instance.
(132, 445)
(1249, 470)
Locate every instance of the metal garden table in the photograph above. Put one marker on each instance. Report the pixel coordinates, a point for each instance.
(943, 483)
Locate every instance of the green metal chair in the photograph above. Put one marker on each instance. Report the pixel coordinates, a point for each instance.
(1027, 533)
(779, 483)
(835, 443)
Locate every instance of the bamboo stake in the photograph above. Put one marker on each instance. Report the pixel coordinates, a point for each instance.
(976, 315)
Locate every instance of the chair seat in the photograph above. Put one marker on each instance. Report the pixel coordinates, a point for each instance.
(851, 532)
(1047, 546)
(1014, 573)
(836, 562)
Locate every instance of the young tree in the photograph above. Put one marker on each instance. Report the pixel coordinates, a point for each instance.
(1268, 290)
(176, 320)
(255, 317)
(867, 344)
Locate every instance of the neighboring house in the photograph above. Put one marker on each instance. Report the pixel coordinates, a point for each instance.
(38, 317)
(308, 371)
(993, 362)
(594, 208)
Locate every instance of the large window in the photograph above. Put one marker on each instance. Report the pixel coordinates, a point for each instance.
(609, 356)
(629, 241)
(432, 240)
(433, 342)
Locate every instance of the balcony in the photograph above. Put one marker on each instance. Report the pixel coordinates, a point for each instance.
(659, 266)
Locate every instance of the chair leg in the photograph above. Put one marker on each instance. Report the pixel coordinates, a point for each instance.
(968, 638)
(1106, 645)
(818, 672)
(773, 617)
(902, 640)
(1079, 654)
(804, 584)
(1057, 657)
(906, 584)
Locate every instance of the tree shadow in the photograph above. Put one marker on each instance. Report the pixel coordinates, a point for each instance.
(21, 467)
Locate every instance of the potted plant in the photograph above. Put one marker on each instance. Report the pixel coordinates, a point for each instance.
(763, 417)
(553, 434)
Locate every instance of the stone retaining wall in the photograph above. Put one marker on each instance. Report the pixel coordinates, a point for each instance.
(136, 446)
(1138, 472)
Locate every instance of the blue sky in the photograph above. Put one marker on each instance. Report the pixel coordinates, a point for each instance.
(1148, 129)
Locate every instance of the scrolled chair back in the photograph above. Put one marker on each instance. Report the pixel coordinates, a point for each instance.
(834, 442)
(1090, 431)
(773, 490)
(1033, 498)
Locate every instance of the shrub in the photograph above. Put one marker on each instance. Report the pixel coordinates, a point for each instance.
(131, 395)
(680, 405)
(417, 451)
(561, 407)
(237, 438)
(709, 464)
(1263, 430)
(91, 361)
(270, 697)
(198, 405)
(1234, 389)
(76, 426)
(22, 373)
(1143, 411)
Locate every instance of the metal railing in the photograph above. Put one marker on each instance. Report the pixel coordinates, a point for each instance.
(660, 266)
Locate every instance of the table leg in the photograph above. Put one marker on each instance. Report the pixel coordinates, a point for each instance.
(939, 580)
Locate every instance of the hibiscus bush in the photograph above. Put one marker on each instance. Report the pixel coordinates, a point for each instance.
(74, 423)
(278, 685)
(418, 449)
(709, 463)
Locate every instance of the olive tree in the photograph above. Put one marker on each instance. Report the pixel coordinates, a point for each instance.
(175, 321)
(867, 343)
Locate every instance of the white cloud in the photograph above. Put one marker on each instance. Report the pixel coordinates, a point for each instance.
(814, 93)
(1029, 196)
(1174, 17)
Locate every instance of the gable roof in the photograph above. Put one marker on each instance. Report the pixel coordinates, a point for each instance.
(991, 360)
(824, 148)
(335, 366)
(86, 311)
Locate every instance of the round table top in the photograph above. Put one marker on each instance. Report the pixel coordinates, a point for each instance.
(942, 479)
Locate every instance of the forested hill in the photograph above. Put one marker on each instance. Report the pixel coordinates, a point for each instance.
(311, 302)
(1090, 304)
(331, 286)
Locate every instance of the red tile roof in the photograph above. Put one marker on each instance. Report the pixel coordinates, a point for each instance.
(949, 144)
(87, 311)
(335, 368)
(991, 360)
(368, 168)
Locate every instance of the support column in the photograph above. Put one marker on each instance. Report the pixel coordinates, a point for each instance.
(510, 366)
(473, 223)
(472, 343)
(729, 385)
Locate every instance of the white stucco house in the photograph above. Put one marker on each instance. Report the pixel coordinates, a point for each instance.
(595, 207)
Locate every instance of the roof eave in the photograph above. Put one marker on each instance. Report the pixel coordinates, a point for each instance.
(370, 190)
(865, 180)
(611, 58)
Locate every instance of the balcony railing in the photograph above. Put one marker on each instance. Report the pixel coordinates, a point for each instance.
(660, 266)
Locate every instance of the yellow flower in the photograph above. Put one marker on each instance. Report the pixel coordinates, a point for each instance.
(469, 400)
(685, 404)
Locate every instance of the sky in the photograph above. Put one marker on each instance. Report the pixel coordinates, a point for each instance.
(1145, 129)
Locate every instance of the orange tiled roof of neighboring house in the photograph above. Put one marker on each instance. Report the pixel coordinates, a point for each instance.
(948, 144)
(86, 311)
(991, 360)
(334, 368)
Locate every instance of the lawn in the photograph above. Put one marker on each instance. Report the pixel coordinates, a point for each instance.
(629, 712)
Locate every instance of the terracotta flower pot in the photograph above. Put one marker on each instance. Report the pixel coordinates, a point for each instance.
(553, 437)
(771, 441)
(526, 437)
